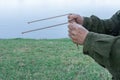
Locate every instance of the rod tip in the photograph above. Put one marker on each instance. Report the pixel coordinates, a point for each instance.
(22, 33)
(28, 22)
(70, 13)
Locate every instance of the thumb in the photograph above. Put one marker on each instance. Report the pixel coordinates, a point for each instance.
(71, 20)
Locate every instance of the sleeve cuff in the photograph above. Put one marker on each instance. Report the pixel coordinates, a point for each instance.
(98, 44)
(86, 22)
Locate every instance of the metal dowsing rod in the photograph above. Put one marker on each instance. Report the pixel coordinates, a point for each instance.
(44, 28)
(47, 26)
(47, 18)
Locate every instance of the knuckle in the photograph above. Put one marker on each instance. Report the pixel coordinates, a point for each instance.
(69, 32)
(69, 26)
(68, 16)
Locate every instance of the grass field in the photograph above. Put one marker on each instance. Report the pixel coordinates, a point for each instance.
(55, 59)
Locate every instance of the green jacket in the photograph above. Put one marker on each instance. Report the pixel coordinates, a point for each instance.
(103, 42)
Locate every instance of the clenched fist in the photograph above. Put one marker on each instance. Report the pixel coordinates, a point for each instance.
(77, 32)
(76, 18)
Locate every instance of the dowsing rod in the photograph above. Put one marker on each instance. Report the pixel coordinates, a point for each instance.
(48, 18)
(44, 28)
(47, 26)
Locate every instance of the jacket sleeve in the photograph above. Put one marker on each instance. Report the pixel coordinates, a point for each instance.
(101, 47)
(104, 26)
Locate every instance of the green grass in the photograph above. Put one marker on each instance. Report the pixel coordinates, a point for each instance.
(55, 59)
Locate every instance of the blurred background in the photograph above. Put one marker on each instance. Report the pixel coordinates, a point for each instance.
(14, 15)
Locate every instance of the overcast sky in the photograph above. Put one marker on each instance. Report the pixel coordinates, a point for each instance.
(15, 14)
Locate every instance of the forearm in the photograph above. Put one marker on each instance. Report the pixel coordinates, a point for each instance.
(105, 26)
(94, 24)
(100, 47)
(99, 43)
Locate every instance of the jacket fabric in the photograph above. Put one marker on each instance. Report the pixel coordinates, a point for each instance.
(103, 42)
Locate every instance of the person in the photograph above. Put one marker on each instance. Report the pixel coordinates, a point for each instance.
(100, 39)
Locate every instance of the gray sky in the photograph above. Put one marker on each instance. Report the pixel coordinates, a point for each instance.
(15, 14)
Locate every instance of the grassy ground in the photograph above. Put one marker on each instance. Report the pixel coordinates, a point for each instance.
(27, 59)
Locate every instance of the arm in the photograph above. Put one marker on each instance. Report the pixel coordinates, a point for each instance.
(105, 50)
(106, 26)
(100, 47)
(95, 24)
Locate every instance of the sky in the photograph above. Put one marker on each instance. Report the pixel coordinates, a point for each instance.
(16, 13)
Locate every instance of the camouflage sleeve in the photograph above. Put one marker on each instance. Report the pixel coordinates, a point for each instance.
(102, 47)
(104, 26)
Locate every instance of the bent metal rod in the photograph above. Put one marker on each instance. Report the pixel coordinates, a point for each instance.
(44, 28)
(47, 26)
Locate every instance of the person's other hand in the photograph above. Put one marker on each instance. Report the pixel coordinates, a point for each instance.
(76, 18)
(77, 33)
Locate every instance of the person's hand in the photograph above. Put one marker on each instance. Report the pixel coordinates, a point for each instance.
(77, 33)
(76, 18)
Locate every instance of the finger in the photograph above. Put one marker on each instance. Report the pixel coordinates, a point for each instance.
(76, 25)
(70, 26)
(72, 16)
(72, 32)
(71, 36)
(74, 40)
(69, 16)
(71, 20)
